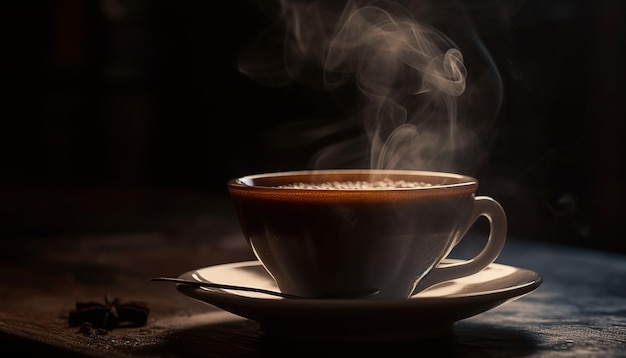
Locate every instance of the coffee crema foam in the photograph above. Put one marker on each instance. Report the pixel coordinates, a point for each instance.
(358, 185)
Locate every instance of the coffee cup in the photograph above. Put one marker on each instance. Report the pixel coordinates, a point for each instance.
(319, 233)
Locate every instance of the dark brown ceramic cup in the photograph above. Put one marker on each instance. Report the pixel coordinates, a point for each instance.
(333, 231)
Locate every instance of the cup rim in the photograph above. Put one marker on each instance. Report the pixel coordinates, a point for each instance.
(461, 180)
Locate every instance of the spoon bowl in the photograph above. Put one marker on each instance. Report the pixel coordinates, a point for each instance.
(363, 293)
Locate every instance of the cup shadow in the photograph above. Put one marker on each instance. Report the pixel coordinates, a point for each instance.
(246, 339)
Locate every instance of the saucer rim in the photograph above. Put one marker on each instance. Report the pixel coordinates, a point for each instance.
(509, 292)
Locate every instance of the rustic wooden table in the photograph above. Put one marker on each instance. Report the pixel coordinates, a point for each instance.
(579, 310)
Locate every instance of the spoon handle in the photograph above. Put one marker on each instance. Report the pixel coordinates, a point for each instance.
(223, 286)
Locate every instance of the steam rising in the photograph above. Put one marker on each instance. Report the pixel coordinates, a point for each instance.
(409, 77)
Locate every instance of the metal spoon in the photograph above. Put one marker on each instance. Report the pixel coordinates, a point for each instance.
(362, 293)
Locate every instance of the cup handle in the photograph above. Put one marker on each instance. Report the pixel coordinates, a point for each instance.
(493, 211)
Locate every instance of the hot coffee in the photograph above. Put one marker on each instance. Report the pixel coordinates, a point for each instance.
(385, 183)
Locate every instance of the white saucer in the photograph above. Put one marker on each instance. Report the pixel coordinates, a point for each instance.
(431, 312)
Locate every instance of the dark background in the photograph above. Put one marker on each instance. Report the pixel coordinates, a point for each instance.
(125, 115)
